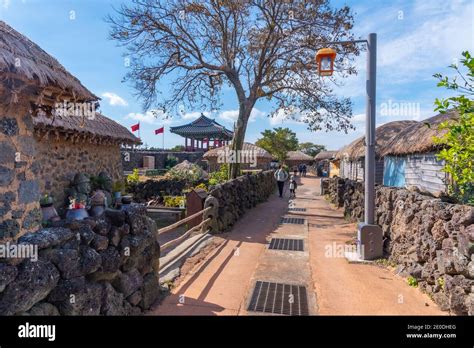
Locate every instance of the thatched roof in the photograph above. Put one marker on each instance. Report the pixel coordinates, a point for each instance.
(261, 153)
(98, 127)
(325, 155)
(383, 134)
(418, 138)
(298, 156)
(23, 60)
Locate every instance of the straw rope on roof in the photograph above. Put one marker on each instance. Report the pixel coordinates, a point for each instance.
(23, 60)
(418, 138)
(298, 156)
(261, 153)
(325, 155)
(98, 127)
(383, 134)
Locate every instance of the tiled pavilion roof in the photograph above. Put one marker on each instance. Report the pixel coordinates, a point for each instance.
(201, 128)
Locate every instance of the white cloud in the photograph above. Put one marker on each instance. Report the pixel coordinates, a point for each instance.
(231, 116)
(114, 99)
(155, 117)
(6, 4)
(431, 36)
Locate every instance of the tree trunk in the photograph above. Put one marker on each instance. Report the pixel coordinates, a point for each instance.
(239, 135)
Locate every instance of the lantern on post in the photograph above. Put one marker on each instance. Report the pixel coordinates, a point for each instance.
(325, 60)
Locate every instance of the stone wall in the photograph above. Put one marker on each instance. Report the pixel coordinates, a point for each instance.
(99, 266)
(236, 196)
(430, 240)
(19, 183)
(134, 158)
(59, 160)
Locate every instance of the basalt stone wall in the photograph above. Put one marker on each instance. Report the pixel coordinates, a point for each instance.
(236, 196)
(19, 183)
(99, 266)
(134, 158)
(59, 160)
(431, 240)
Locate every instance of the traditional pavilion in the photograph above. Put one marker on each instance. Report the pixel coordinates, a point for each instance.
(203, 134)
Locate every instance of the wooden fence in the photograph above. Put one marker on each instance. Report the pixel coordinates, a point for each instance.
(180, 247)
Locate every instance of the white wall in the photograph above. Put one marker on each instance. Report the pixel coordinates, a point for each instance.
(425, 172)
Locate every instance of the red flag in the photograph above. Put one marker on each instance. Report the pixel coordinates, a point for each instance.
(160, 130)
(135, 127)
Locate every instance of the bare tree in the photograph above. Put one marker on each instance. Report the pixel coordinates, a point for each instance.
(262, 48)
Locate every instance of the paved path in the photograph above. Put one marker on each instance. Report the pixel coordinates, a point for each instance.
(224, 281)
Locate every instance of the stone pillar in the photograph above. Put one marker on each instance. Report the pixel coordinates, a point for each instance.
(19, 186)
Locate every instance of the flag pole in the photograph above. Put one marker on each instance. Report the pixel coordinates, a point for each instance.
(163, 138)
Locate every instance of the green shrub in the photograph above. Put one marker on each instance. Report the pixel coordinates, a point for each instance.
(171, 161)
(219, 176)
(201, 186)
(173, 201)
(458, 140)
(412, 281)
(133, 178)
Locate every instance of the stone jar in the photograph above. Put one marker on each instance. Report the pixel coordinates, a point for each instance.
(76, 214)
(49, 212)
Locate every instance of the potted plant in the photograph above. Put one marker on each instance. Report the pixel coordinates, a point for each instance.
(47, 208)
(118, 188)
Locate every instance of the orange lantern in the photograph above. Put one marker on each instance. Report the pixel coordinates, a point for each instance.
(325, 60)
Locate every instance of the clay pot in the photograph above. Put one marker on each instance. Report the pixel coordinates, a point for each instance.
(126, 199)
(49, 212)
(76, 214)
(97, 210)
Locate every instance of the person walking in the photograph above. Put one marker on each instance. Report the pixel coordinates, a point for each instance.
(304, 169)
(293, 187)
(281, 175)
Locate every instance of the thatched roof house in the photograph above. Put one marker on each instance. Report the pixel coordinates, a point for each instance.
(28, 70)
(410, 158)
(250, 153)
(298, 156)
(352, 156)
(418, 137)
(99, 129)
(325, 155)
(383, 134)
(295, 158)
(327, 164)
(49, 131)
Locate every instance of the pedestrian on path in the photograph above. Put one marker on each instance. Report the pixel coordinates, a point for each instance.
(295, 170)
(281, 175)
(304, 169)
(293, 187)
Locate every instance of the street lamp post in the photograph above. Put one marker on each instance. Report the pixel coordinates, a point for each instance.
(369, 235)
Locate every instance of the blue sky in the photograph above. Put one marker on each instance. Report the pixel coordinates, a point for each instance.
(415, 40)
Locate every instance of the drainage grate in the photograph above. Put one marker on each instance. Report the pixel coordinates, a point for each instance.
(297, 209)
(279, 298)
(292, 220)
(286, 244)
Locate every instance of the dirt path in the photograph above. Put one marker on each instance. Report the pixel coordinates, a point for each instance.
(354, 289)
(223, 282)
